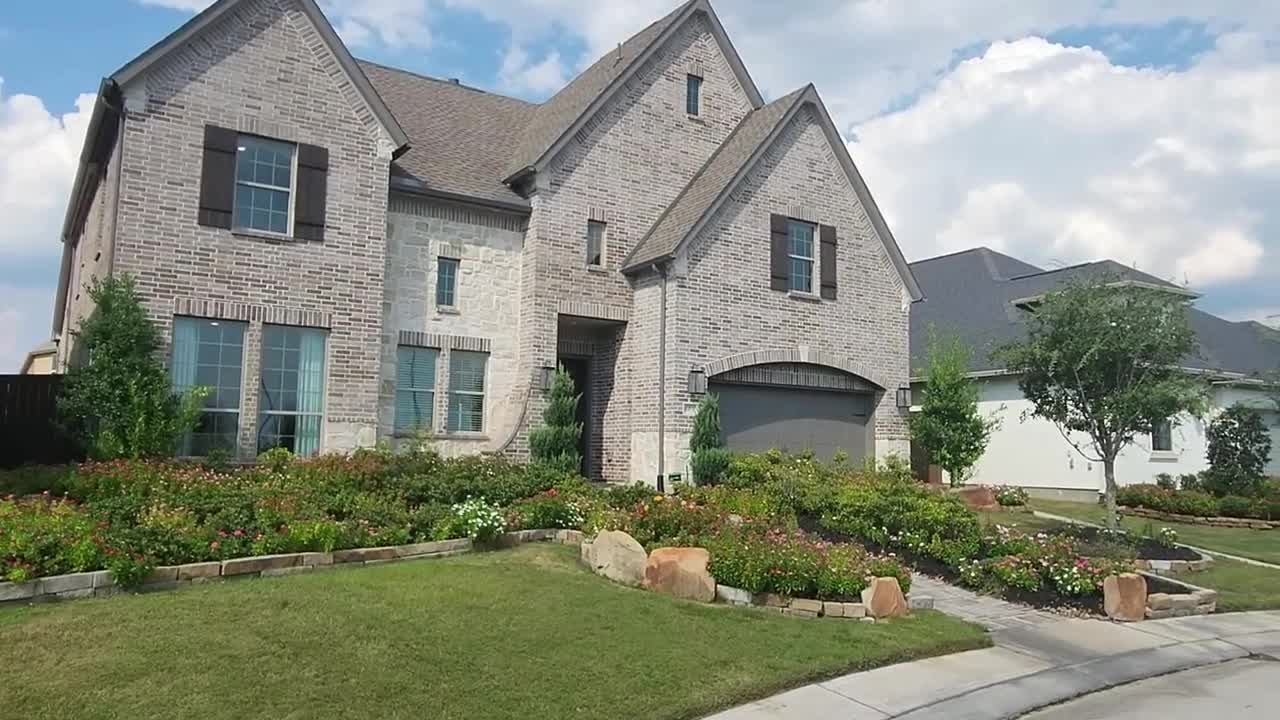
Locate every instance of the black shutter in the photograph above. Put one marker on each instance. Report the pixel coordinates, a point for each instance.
(312, 190)
(778, 256)
(827, 261)
(218, 177)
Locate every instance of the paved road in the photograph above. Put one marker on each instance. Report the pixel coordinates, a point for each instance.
(1238, 690)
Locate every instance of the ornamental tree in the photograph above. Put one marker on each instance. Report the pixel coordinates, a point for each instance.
(949, 425)
(555, 444)
(710, 459)
(1239, 450)
(121, 403)
(1102, 361)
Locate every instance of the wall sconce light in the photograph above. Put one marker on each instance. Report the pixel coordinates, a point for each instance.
(697, 382)
(904, 398)
(545, 373)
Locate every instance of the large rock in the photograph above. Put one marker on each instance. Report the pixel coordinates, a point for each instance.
(883, 598)
(681, 572)
(1124, 597)
(617, 556)
(977, 497)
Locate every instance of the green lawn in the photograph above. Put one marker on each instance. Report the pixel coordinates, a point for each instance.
(1261, 545)
(1240, 586)
(515, 634)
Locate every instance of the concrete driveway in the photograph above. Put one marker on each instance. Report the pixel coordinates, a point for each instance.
(1234, 690)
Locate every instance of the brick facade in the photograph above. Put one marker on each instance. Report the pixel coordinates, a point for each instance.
(524, 294)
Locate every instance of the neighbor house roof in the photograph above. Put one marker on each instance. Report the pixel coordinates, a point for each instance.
(559, 117)
(461, 138)
(975, 295)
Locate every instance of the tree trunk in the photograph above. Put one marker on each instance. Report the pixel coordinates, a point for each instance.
(1109, 470)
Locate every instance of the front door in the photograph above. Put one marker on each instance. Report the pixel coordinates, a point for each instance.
(579, 368)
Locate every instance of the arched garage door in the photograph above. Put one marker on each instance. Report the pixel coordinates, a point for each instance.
(794, 407)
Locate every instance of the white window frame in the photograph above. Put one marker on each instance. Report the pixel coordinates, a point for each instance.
(604, 242)
(812, 258)
(484, 419)
(290, 191)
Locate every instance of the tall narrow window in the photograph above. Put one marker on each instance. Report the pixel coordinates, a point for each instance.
(466, 390)
(415, 388)
(446, 282)
(1162, 436)
(210, 354)
(693, 98)
(291, 389)
(595, 243)
(800, 251)
(264, 182)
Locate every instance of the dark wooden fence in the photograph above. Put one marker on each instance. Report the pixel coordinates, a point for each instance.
(29, 432)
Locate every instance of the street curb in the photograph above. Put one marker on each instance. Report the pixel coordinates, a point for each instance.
(1016, 697)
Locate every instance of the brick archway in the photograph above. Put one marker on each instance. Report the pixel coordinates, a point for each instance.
(793, 355)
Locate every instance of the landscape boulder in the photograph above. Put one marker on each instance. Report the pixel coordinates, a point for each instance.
(617, 556)
(977, 497)
(680, 572)
(1124, 597)
(883, 598)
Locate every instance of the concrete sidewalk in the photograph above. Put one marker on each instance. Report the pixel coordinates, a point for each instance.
(1035, 663)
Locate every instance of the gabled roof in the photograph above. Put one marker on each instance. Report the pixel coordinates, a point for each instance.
(712, 185)
(461, 137)
(974, 294)
(560, 117)
(217, 10)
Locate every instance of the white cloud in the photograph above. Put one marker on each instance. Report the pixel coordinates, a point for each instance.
(38, 156)
(24, 322)
(1054, 153)
(520, 75)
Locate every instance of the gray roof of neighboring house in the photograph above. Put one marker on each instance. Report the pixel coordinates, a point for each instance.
(460, 137)
(972, 294)
(711, 182)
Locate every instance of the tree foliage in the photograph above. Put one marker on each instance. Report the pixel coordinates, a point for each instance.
(1103, 359)
(121, 403)
(1239, 450)
(555, 444)
(949, 425)
(710, 459)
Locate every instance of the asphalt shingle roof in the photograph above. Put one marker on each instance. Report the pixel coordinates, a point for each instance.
(460, 138)
(971, 294)
(711, 181)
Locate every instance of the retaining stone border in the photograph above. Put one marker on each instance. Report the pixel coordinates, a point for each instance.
(1175, 567)
(1195, 601)
(168, 577)
(803, 607)
(1226, 522)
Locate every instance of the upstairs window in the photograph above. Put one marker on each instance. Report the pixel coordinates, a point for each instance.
(264, 185)
(447, 282)
(800, 253)
(1162, 436)
(595, 243)
(693, 95)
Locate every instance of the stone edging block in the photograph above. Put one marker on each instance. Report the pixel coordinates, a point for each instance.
(801, 607)
(1228, 522)
(1195, 601)
(165, 577)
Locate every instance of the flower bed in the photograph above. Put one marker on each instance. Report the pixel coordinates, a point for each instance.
(1263, 513)
(101, 584)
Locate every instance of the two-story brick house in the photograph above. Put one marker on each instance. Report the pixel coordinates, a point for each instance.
(348, 252)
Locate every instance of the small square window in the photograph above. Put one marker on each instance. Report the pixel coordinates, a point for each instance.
(693, 97)
(1162, 436)
(595, 243)
(264, 185)
(447, 282)
(800, 253)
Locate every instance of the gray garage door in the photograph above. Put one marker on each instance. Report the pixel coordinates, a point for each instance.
(756, 418)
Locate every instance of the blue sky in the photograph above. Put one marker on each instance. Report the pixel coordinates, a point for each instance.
(1059, 132)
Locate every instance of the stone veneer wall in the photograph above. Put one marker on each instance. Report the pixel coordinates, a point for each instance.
(262, 69)
(488, 246)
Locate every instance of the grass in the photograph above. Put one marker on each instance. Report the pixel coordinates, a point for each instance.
(515, 634)
(1240, 586)
(1261, 545)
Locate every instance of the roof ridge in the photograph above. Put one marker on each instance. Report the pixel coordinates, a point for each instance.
(444, 81)
(944, 256)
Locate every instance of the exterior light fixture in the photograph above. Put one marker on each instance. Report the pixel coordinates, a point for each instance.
(904, 398)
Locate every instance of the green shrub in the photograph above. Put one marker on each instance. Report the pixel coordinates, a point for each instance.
(1239, 449)
(36, 479)
(1165, 481)
(1179, 502)
(755, 504)
(551, 509)
(709, 465)
(709, 459)
(1010, 496)
(1190, 481)
(1235, 506)
(625, 497)
(41, 536)
(555, 443)
(475, 519)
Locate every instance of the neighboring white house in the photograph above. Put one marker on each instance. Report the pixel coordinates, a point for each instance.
(975, 294)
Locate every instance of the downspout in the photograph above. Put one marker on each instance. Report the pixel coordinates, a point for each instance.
(115, 210)
(662, 377)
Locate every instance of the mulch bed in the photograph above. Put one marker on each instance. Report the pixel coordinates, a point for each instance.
(1043, 599)
(1096, 543)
